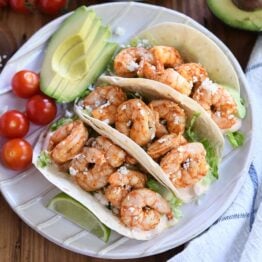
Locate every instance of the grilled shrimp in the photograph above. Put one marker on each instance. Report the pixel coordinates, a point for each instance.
(194, 73)
(129, 61)
(218, 103)
(173, 79)
(103, 102)
(114, 155)
(90, 169)
(165, 57)
(186, 164)
(135, 119)
(122, 182)
(142, 208)
(165, 144)
(67, 141)
(170, 117)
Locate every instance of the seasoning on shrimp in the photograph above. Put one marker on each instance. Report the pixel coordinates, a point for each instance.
(173, 115)
(218, 103)
(103, 102)
(165, 144)
(165, 57)
(194, 73)
(143, 208)
(67, 141)
(142, 127)
(129, 61)
(113, 154)
(186, 164)
(121, 183)
(91, 169)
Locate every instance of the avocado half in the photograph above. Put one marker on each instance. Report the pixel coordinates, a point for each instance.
(229, 13)
(77, 53)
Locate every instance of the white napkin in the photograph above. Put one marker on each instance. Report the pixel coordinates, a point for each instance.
(237, 235)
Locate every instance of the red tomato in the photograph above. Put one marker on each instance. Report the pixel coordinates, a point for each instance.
(51, 7)
(25, 84)
(17, 154)
(3, 3)
(14, 124)
(41, 109)
(23, 6)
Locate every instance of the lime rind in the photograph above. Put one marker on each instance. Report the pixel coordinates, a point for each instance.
(79, 214)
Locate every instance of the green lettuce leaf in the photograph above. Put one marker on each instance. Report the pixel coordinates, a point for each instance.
(43, 160)
(139, 42)
(173, 201)
(190, 134)
(236, 139)
(241, 108)
(60, 122)
(211, 156)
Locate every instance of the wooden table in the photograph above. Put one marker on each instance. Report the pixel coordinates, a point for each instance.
(18, 242)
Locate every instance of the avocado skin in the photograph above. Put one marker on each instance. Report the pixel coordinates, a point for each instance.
(230, 14)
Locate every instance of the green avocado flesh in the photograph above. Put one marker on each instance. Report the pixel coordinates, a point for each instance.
(228, 12)
(76, 55)
(241, 109)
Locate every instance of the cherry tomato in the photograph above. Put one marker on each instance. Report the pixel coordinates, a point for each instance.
(41, 109)
(51, 7)
(14, 124)
(25, 84)
(3, 3)
(23, 6)
(17, 154)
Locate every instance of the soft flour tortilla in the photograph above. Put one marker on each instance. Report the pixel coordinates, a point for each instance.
(65, 183)
(194, 46)
(154, 90)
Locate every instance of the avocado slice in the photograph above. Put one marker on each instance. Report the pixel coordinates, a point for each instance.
(80, 43)
(68, 35)
(228, 12)
(96, 70)
(89, 58)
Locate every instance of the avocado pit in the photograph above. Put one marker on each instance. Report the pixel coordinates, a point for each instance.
(248, 5)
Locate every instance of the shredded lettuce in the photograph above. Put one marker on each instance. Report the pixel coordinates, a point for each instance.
(43, 160)
(241, 107)
(236, 139)
(173, 201)
(139, 42)
(60, 122)
(190, 134)
(211, 155)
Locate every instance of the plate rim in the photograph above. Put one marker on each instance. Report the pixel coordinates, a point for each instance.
(248, 160)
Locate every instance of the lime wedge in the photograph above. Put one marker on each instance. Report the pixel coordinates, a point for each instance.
(79, 214)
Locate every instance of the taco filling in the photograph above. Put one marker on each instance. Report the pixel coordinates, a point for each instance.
(161, 127)
(166, 65)
(110, 175)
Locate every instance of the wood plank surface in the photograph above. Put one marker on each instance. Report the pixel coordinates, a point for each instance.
(18, 242)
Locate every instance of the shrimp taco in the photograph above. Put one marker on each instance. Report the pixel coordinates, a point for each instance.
(190, 63)
(100, 174)
(171, 134)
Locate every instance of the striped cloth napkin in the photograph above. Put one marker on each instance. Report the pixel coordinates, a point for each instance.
(237, 235)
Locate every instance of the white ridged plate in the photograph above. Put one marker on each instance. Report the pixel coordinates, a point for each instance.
(28, 193)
